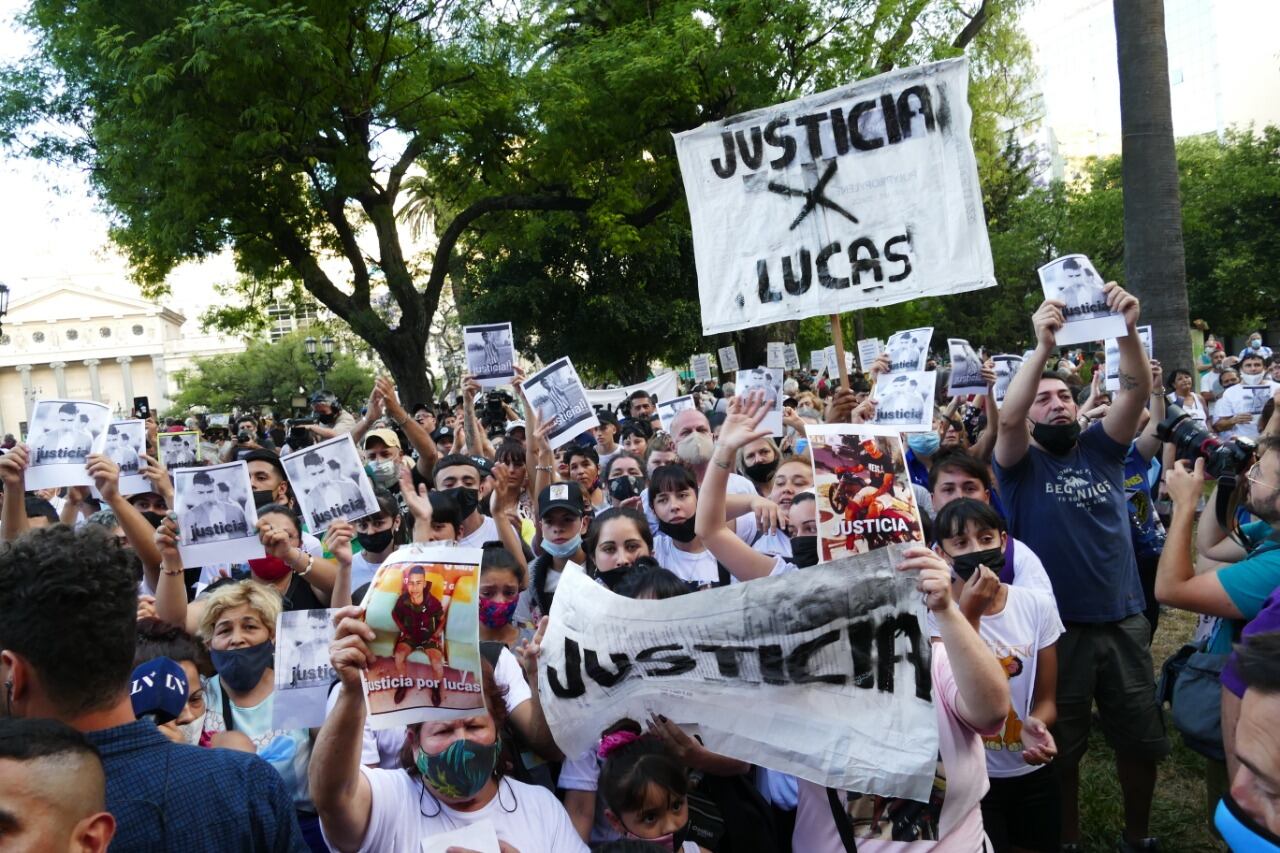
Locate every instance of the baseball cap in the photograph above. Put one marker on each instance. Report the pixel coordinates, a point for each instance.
(485, 465)
(514, 425)
(561, 496)
(443, 432)
(386, 436)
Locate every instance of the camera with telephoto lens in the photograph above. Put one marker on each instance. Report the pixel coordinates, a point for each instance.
(299, 437)
(1192, 441)
(243, 436)
(492, 415)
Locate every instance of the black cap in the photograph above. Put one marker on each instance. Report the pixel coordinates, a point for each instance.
(561, 496)
(485, 465)
(443, 432)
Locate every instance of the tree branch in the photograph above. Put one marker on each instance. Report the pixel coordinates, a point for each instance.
(900, 37)
(971, 29)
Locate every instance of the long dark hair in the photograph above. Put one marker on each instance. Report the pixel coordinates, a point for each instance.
(592, 539)
(631, 768)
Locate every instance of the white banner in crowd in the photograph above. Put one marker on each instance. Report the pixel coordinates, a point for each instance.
(859, 196)
(823, 674)
(663, 387)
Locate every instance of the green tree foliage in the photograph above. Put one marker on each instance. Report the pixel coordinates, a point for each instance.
(270, 375)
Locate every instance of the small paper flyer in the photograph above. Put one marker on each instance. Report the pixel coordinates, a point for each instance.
(818, 359)
(491, 354)
(557, 393)
(1144, 334)
(909, 350)
(700, 364)
(1006, 367)
(423, 605)
(667, 410)
(1111, 376)
(126, 445)
(216, 515)
(330, 483)
(1073, 280)
(966, 370)
(865, 500)
(904, 401)
(728, 359)
(768, 380)
(60, 438)
(775, 355)
(791, 357)
(868, 351)
(302, 670)
(179, 449)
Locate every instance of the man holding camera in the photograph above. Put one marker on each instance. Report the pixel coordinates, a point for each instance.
(1064, 492)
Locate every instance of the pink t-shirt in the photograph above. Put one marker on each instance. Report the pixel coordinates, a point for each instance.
(960, 821)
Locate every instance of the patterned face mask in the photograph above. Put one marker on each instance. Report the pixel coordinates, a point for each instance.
(461, 770)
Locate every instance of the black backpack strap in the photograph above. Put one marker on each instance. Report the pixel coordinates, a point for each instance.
(491, 650)
(227, 721)
(844, 826)
(724, 577)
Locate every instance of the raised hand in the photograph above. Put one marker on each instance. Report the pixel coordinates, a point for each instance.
(337, 540)
(159, 479)
(349, 653)
(415, 498)
(1047, 320)
(989, 374)
(742, 424)
(105, 474)
(841, 406)
(1122, 302)
(1185, 484)
(275, 540)
(13, 468)
(978, 593)
(935, 576)
(387, 391)
(167, 538)
(528, 650)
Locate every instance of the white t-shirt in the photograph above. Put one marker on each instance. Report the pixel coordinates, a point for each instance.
(1209, 384)
(583, 774)
(1028, 571)
(528, 817)
(775, 544)
(738, 485)
(486, 532)
(362, 571)
(1244, 399)
(1195, 408)
(702, 567)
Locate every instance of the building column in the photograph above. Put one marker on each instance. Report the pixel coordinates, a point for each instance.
(28, 400)
(60, 377)
(127, 373)
(95, 390)
(162, 384)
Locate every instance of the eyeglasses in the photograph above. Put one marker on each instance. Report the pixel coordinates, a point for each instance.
(1252, 476)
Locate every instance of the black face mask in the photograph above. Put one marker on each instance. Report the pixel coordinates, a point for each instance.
(966, 564)
(153, 518)
(376, 543)
(262, 497)
(804, 551)
(760, 472)
(615, 576)
(468, 500)
(1058, 439)
(682, 532)
(626, 486)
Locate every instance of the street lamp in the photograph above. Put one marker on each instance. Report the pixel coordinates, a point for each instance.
(4, 301)
(321, 361)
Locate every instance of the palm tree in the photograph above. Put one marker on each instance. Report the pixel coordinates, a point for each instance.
(1153, 253)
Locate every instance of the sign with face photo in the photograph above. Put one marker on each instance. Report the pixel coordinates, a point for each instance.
(330, 483)
(1072, 280)
(216, 515)
(126, 444)
(668, 408)
(60, 438)
(490, 354)
(179, 449)
(557, 393)
(966, 370)
(1006, 367)
(769, 381)
(909, 350)
(905, 401)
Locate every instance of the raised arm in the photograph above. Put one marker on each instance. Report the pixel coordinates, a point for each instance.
(171, 591)
(1148, 445)
(986, 443)
(503, 508)
(13, 511)
(1177, 583)
(1015, 437)
(1121, 420)
(477, 441)
(418, 437)
(337, 541)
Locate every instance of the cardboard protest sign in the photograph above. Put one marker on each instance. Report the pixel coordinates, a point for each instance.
(216, 515)
(1144, 334)
(302, 671)
(1074, 281)
(862, 195)
(557, 393)
(491, 354)
(966, 370)
(769, 381)
(865, 501)
(904, 401)
(330, 483)
(775, 355)
(791, 357)
(909, 350)
(778, 672)
(423, 604)
(179, 449)
(868, 351)
(668, 408)
(661, 387)
(126, 444)
(1006, 367)
(728, 359)
(60, 438)
(818, 359)
(1111, 364)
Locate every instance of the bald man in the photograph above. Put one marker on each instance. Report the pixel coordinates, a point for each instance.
(52, 789)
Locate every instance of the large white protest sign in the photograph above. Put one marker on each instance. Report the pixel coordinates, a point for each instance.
(833, 362)
(490, 354)
(62, 435)
(728, 359)
(216, 514)
(905, 401)
(859, 196)
(557, 393)
(330, 483)
(966, 370)
(1006, 367)
(662, 387)
(823, 674)
(768, 381)
(909, 349)
(775, 355)
(818, 360)
(303, 674)
(1073, 280)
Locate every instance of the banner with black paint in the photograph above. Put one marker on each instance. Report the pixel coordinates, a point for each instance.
(823, 673)
(859, 196)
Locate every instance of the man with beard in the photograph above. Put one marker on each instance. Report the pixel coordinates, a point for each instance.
(691, 432)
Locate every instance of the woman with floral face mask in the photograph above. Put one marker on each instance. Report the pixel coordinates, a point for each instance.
(238, 625)
(501, 580)
(452, 775)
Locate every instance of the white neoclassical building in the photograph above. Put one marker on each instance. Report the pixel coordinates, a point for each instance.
(66, 341)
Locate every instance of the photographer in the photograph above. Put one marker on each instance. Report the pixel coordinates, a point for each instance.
(247, 438)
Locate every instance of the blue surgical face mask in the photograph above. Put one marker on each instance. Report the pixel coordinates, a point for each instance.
(1240, 831)
(923, 443)
(568, 549)
(802, 445)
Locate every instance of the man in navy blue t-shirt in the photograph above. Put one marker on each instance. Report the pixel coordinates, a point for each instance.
(1064, 492)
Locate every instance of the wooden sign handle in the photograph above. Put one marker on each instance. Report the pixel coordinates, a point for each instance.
(837, 338)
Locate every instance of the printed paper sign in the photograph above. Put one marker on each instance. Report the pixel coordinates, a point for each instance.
(832, 363)
(791, 357)
(728, 360)
(423, 604)
(768, 380)
(478, 837)
(865, 501)
(868, 351)
(775, 355)
(1111, 375)
(909, 350)
(966, 370)
(777, 672)
(222, 419)
(330, 483)
(60, 438)
(904, 401)
(557, 393)
(701, 366)
(1006, 367)
(179, 449)
(126, 444)
(818, 359)
(216, 515)
(863, 195)
(491, 354)
(667, 410)
(1073, 280)
(303, 674)
(1144, 334)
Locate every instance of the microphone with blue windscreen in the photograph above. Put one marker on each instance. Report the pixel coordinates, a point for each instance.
(158, 690)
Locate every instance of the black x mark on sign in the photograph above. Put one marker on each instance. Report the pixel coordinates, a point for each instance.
(814, 197)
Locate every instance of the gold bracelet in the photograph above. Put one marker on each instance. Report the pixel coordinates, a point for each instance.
(164, 571)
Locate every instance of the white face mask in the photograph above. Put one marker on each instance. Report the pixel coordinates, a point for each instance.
(695, 448)
(192, 730)
(1252, 378)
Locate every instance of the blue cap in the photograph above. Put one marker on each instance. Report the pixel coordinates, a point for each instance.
(158, 688)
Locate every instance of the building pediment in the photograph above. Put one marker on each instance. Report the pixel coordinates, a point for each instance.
(52, 304)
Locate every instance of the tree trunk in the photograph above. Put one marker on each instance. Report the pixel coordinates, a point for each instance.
(406, 358)
(1153, 252)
